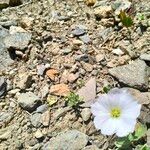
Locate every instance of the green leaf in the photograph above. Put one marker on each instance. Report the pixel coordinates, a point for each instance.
(125, 19)
(123, 143)
(140, 131)
(106, 89)
(143, 147)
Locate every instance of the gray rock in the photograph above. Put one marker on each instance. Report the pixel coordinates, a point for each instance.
(69, 140)
(85, 39)
(86, 114)
(18, 40)
(79, 30)
(134, 75)
(36, 119)
(42, 108)
(5, 117)
(88, 92)
(119, 5)
(24, 80)
(4, 4)
(82, 57)
(3, 86)
(28, 101)
(145, 57)
(5, 59)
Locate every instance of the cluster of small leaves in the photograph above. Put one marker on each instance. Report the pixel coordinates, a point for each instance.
(129, 141)
(106, 89)
(73, 99)
(126, 19)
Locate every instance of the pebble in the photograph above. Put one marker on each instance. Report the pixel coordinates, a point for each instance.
(99, 57)
(39, 134)
(82, 57)
(85, 39)
(45, 118)
(117, 51)
(72, 77)
(5, 117)
(42, 108)
(28, 101)
(62, 141)
(60, 89)
(40, 69)
(103, 12)
(86, 114)
(36, 119)
(79, 30)
(91, 147)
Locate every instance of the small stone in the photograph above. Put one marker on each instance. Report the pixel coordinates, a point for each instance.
(85, 39)
(100, 57)
(3, 86)
(44, 91)
(79, 30)
(28, 101)
(24, 80)
(42, 108)
(86, 114)
(5, 117)
(18, 40)
(118, 51)
(45, 120)
(72, 77)
(134, 75)
(66, 51)
(38, 134)
(60, 89)
(26, 21)
(62, 141)
(145, 57)
(88, 67)
(40, 69)
(36, 119)
(88, 92)
(82, 57)
(119, 5)
(51, 73)
(51, 100)
(103, 12)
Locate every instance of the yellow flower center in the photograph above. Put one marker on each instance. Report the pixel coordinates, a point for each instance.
(115, 112)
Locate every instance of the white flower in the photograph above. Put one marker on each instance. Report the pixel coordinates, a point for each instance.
(116, 112)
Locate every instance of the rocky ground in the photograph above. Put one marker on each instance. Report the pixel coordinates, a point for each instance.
(49, 48)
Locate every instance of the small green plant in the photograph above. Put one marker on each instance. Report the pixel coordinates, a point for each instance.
(80, 83)
(73, 99)
(106, 89)
(126, 19)
(130, 141)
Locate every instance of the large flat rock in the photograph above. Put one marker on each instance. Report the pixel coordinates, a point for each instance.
(134, 75)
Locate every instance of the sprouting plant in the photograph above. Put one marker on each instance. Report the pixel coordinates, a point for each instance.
(130, 141)
(81, 83)
(126, 19)
(73, 99)
(106, 89)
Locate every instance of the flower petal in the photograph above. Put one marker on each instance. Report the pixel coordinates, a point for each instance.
(125, 126)
(109, 127)
(98, 121)
(133, 111)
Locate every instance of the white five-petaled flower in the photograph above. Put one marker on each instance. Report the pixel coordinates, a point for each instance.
(116, 112)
